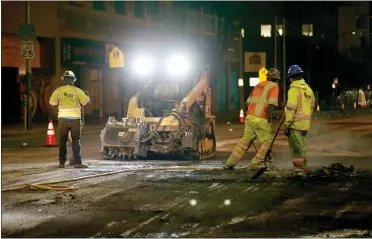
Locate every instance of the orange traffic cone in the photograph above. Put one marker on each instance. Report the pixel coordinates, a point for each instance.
(51, 137)
(318, 109)
(342, 108)
(355, 107)
(241, 117)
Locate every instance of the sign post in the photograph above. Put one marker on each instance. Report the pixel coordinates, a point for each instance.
(28, 34)
(27, 53)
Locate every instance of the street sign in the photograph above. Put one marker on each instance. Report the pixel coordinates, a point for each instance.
(262, 74)
(27, 49)
(27, 31)
(116, 58)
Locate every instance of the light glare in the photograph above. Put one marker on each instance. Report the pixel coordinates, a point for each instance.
(240, 82)
(227, 202)
(143, 65)
(177, 65)
(253, 81)
(193, 202)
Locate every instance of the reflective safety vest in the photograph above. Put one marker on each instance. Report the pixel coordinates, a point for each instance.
(301, 101)
(264, 94)
(69, 100)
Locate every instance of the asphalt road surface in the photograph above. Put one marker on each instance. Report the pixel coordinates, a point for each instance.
(169, 197)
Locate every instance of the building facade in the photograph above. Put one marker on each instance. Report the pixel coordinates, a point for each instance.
(76, 35)
(355, 41)
(309, 28)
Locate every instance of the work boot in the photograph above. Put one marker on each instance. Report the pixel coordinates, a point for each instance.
(227, 167)
(256, 164)
(72, 162)
(297, 175)
(80, 165)
(61, 163)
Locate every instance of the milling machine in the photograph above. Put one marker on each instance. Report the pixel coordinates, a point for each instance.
(170, 115)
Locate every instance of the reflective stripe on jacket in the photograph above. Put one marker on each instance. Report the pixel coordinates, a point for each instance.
(69, 100)
(264, 94)
(300, 106)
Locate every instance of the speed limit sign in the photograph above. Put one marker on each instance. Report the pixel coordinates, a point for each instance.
(28, 49)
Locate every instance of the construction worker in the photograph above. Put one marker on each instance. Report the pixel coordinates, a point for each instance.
(261, 103)
(299, 108)
(69, 99)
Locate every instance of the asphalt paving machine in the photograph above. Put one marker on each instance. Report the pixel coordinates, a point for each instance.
(170, 115)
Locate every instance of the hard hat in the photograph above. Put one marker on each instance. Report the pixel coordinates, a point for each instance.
(68, 76)
(294, 70)
(273, 73)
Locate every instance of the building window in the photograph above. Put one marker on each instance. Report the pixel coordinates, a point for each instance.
(266, 30)
(279, 29)
(99, 5)
(362, 22)
(307, 30)
(120, 7)
(139, 9)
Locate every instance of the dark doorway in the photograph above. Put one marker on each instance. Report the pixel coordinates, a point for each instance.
(10, 106)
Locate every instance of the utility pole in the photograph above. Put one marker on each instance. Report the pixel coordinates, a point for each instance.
(284, 66)
(29, 73)
(309, 67)
(276, 43)
(228, 71)
(241, 76)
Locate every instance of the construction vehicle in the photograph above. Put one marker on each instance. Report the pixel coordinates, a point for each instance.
(170, 115)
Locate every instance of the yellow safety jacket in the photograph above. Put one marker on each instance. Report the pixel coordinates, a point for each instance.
(300, 106)
(69, 100)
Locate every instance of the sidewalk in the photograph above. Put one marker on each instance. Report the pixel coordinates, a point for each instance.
(17, 130)
(39, 129)
(233, 115)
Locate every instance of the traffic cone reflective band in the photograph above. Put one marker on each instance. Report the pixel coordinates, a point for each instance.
(51, 137)
(241, 116)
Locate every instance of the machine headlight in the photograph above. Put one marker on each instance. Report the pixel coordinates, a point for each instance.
(143, 65)
(177, 65)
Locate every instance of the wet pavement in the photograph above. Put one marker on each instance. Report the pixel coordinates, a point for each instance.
(169, 197)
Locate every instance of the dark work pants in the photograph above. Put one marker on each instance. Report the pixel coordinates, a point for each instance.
(64, 126)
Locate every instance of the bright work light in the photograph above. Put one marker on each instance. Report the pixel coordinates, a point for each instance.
(177, 65)
(143, 65)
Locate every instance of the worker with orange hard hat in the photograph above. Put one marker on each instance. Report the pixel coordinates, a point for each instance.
(261, 103)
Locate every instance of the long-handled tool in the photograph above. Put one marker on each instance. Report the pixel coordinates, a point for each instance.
(268, 153)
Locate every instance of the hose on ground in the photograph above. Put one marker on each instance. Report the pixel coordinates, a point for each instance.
(39, 186)
(47, 185)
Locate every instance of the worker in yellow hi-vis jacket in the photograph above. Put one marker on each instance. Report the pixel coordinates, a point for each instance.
(299, 108)
(69, 100)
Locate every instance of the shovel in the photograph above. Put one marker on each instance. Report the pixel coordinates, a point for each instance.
(267, 156)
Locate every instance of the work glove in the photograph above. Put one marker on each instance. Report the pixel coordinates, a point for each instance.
(86, 93)
(286, 131)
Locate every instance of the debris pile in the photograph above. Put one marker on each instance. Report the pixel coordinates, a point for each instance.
(332, 171)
